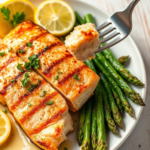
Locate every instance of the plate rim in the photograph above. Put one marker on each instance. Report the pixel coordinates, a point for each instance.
(141, 61)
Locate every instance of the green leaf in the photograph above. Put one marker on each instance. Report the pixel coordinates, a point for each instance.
(59, 72)
(32, 86)
(27, 65)
(17, 18)
(43, 93)
(25, 80)
(5, 111)
(39, 81)
(29, 104)
(21, 51)
(2, 53)
(35, 62)
(56, 77)
(19, 67)
(65, 148)
(12, 81)
(49, 103)
(29, 44)
(76, 77)
(10, 49)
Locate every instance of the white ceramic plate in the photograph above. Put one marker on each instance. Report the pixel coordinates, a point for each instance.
(135, 65)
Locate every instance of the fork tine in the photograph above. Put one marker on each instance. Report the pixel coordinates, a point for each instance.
(109, 44)
(106, 32)
(110, 37)
(102, 26)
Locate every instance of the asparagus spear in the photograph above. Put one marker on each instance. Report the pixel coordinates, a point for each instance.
(101, 137)
(88, 18)
(110, 122)
(123, 99)
(79, 19)
(120, 68)
(135, 97)
(114, 108)
(118, 101)
(87, 126)
(123, 59)
(94, 126)
(81, 125)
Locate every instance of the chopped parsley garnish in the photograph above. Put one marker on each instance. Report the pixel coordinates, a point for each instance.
(12, 81)
(32, 86)
(2, 53)
(27, 65)
(17, 17)
(5, 111)
(39, 81)
(43, 93)
(49, 103)
(59, 71)
(21, 51)
(25, 80)
(56, 77)
(20, 68)
(45, 48)
(76, 77)
(10, 49)
(29, 104)
(29, 44)
(34, 61)
(65, 148)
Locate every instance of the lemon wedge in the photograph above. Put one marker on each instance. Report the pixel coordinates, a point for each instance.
(5, 127)
(56, 16)
(15, 6)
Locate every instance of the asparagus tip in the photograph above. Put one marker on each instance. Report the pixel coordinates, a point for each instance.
(121, 126)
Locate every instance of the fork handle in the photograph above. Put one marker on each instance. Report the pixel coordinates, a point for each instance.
(132, 6)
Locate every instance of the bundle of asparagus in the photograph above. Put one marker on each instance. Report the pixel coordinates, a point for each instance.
(107, 105)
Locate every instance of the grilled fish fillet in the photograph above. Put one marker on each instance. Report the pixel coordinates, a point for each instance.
(57, 65)
(46, 125)
(83, 41)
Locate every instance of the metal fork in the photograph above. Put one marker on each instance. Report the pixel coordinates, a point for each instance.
(119, 25)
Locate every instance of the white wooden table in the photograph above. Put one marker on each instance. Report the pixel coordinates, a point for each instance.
(140, 137)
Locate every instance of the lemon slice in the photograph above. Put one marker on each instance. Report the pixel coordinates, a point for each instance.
(5, 127)
(56, 16)
(15, 6)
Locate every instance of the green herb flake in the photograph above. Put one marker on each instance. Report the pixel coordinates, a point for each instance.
(12, 81)
(35, 62)
(2, 53)
(25, 80)
(39, 81)
(29, 44)
(43, 93)
(5, 111)
(65, 148)
(20, 68)
(76, 77)
(10, 49)
(21, 51)
(17, 18)
(59, 72)
(29, 104)
(32, 86)
(27, 65)
(56, 77)
(45, 48)
(49, 103)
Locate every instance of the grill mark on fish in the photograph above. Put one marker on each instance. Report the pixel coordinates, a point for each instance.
(48, 48)
(20, 99)
(3, 91)
(71, 74)
(33, 38)
(22, 31)
(44, 144)
(44, 125)
(53, 64)
(10, 60)
(2, 46)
